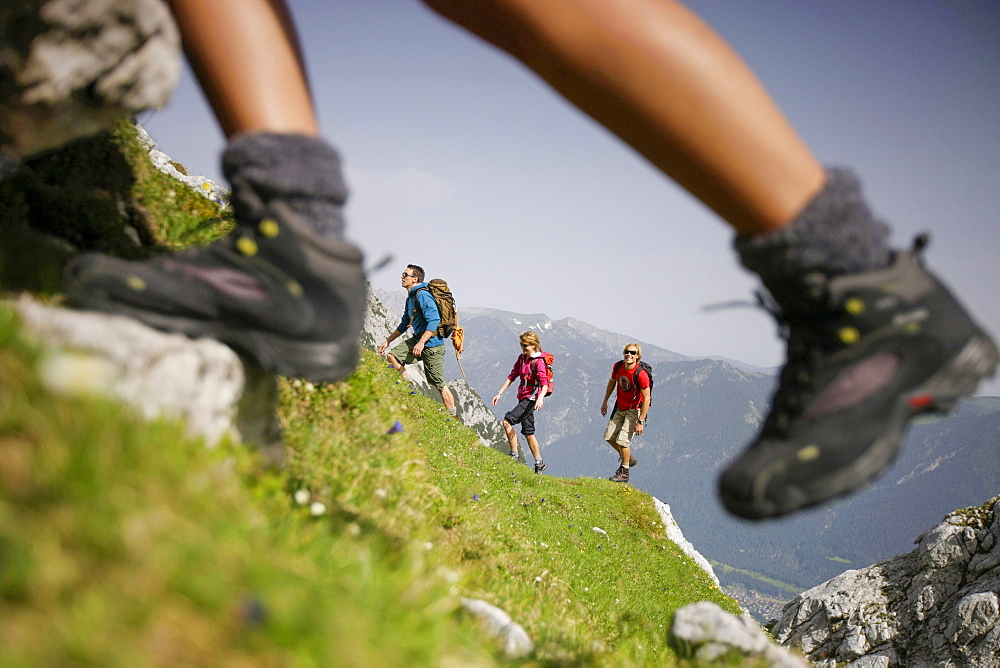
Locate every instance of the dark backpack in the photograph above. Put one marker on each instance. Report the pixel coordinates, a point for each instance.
(642, 367)
(446, 306)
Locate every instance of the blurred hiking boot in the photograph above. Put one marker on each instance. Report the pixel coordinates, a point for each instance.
(867, 352)
(274, 289)
(540, 466)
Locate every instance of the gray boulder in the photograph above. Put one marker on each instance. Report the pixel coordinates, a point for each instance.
(202, 382)
(69, 68)
(937, 605)
(706, 632)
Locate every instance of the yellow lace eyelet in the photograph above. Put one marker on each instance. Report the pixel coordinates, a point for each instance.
(855, 306)
(247, 246)
(269, 228)
(849, 335)
(807, 453)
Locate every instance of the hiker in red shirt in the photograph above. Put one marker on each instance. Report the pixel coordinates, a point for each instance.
(631, 406)
(534, 375)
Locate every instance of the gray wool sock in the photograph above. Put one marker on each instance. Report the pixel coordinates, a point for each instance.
(303, 172)
(836, 234)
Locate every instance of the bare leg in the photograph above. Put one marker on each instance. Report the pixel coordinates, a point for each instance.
(508, 429)
(251, 70)
(661, 79)
(397, 366)
(447, 398)
(533, 445)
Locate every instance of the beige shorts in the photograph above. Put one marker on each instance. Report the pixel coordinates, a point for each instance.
(621, 427)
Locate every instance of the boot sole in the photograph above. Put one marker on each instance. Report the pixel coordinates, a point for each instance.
(976, 361)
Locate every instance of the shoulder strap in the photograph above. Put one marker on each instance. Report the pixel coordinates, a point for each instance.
(416, 301)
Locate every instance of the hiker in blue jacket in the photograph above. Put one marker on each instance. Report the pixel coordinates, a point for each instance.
(421, 313)
(874, 339)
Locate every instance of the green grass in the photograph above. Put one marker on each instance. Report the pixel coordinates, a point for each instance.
(124, 543)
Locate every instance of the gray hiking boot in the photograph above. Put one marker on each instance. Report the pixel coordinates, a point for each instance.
(274, 289)
(867, 353)
(621, 475)
(632, 461)
(540, 466)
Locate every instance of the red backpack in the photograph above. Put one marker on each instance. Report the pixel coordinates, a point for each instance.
(548, 358)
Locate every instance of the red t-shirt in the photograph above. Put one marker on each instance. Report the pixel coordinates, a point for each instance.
(628, 395)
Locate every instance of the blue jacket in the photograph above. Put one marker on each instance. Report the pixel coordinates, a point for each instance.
(423, 318)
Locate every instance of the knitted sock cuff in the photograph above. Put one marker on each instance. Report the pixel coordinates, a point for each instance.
(304, 172)
(835, 233)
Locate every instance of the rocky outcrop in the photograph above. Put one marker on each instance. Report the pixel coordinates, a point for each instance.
(674, 533)
(514, 640)
(70, 68)
(937, 605)
(202, 382)
(706, 632)
(204, 186)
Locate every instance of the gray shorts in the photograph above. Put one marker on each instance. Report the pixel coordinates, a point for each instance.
(433, 359)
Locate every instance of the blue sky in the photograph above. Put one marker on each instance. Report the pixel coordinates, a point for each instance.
(461, 161)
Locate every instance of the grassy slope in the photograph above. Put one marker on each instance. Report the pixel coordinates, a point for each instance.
(123, 543)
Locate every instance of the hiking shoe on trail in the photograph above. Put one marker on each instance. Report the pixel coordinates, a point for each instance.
(866, 353)
(540, 466)
(274, 289)
(621, 475)
(632, 461)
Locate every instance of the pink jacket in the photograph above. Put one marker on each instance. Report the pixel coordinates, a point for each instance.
(533, 373)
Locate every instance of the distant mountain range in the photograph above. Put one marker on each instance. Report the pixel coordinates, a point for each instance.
(703, 413)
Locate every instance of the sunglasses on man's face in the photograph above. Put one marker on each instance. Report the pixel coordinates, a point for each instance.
(407, 276)
(631, 352)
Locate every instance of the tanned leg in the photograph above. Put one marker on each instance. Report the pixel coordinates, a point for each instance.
(661, 79)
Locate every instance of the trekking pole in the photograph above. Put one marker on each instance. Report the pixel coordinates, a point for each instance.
(459, 360)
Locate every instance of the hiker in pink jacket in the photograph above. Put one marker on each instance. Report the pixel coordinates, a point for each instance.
(534, 375)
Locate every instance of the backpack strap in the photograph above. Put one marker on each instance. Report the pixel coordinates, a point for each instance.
(534, 368)
(417, 306)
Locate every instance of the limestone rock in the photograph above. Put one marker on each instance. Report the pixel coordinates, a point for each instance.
(674, 533)
(936, 605)
(70, 68)
(202, 382)
(514, 639)
(203, 186)
(706, 632)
